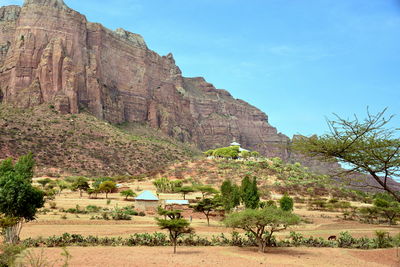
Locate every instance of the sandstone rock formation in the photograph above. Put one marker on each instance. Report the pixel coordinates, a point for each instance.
(51, 54)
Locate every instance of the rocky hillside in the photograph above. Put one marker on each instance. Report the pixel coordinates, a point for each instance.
(51, 54)
(81, 144)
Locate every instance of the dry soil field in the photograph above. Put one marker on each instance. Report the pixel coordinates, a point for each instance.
(322, 224)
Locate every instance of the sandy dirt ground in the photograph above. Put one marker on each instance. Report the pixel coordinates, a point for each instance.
(322, 224)
(223, 256)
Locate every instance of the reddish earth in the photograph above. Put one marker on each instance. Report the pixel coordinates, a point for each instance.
(223, 256)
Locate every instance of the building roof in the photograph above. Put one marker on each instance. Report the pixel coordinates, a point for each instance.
(235, 144)
(177, 202)
(147, 195)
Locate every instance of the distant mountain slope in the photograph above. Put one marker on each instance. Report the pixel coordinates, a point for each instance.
(82, 144)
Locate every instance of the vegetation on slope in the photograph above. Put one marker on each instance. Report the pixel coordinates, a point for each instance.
(82, 144)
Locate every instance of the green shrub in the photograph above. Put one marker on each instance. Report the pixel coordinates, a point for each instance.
(345, 240)
(93, 208)
(286, 203)
(382, 239)
(9, 253)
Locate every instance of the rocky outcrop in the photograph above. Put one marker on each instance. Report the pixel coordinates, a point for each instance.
(51, 54)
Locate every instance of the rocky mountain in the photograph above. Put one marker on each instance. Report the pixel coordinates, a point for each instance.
(51, 54)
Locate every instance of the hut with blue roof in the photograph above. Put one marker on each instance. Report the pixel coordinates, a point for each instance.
(146, 200)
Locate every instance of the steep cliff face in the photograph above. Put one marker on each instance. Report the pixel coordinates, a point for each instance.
(51, 54)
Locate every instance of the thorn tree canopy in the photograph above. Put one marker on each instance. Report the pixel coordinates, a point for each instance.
(367, 146)
(174, 223)
(207, 205)
(262, 223)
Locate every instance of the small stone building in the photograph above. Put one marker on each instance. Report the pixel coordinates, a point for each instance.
(146, 201)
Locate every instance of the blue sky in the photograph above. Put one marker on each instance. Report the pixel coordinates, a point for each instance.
(297, 60)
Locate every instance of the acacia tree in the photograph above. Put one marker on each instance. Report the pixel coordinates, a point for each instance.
(19, 200)
(206, 206)
(128, 193)
(107, 187)
(206, 190)
(367, 146)
(184, 190)
(390, 210)
(174, 223)
(81, 184)
(61, 186)
(262, 223)
(44, 182)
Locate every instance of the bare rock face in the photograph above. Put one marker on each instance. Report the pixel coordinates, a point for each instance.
(51, 54)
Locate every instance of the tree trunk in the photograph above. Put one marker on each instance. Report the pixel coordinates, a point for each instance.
(208, 220)
(175, 246)
(106, 195)
(261, 245)
(11, 233)
(80, 193)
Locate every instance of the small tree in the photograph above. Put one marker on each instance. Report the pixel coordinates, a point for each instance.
(262, 223)
(206, 190)
(184, 190)
(249, 193)
(62, 185)
(128, 193)
(245, 154)
(93, 191)
(286, 203)
(98, 181)
(206, 206)
(174, 223)
(230, 195)
(81, 184)
(19, 200)
(107, 187)
(390, 210)
(44, 182)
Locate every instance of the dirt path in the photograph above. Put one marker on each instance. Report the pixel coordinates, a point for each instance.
(224, 256)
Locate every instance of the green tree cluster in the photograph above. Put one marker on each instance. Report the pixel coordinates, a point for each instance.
(19, 200)
(249, 193)
(230, 195)
(231, 152)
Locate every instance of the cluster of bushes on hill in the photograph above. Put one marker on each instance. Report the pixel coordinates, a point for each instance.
(231, 152)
